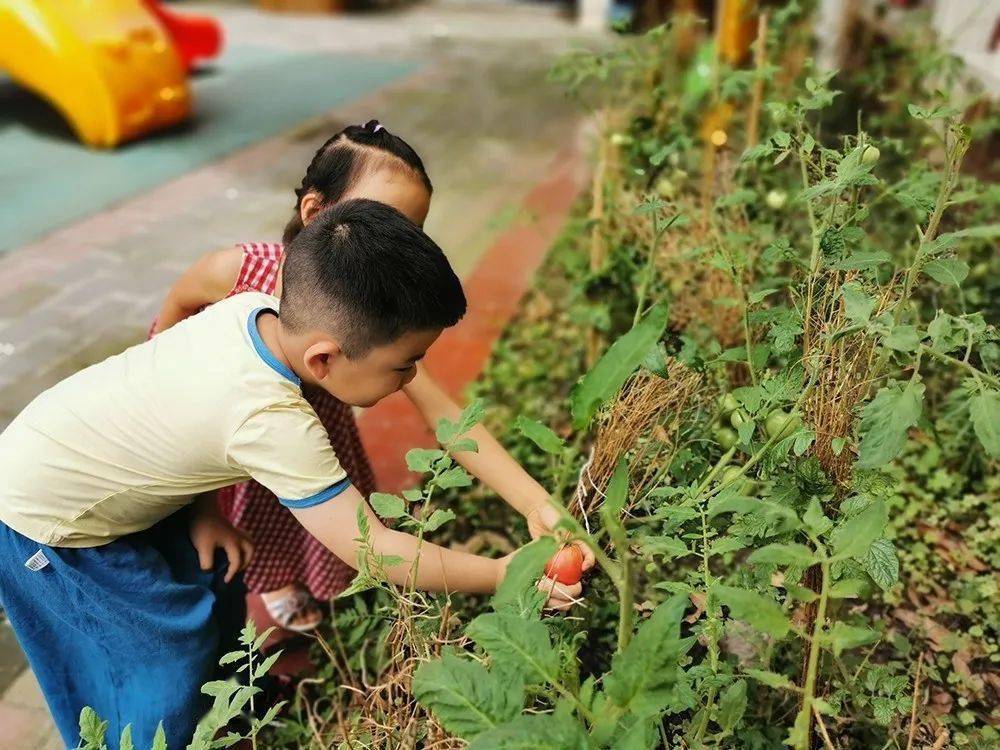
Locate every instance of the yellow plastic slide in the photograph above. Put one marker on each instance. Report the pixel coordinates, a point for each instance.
(106, 65)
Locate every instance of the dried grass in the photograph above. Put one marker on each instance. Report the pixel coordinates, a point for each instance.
(644, 421)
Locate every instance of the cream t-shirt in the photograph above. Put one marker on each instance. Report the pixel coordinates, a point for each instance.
(124, 443)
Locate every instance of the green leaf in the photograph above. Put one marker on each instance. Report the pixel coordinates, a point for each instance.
(732, 705)
(421, 459)
(855, 535)
(881, 563)
(160, 738)
(643, 675)
(950, 239)
(438, 518)
(762, 613)
(858, 304)
(783, 555)
(522, 645)
(517, 593)
(849, 588)
(771, 679)
(903, 338)
(466, 698)
(984, 408)
(263, 667)
(125, 742)
(386, 505)
(609, 374)
(92, 729)
(534, 732)
(843, 636)
(863, 260)
(617, 492)
(947, 271)
(539, 434)
(668, 546)
(456, 476)
(885, 422)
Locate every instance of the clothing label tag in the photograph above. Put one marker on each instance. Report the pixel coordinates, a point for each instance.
(37, 561)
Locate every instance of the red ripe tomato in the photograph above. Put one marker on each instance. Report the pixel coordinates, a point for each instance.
(566, 566)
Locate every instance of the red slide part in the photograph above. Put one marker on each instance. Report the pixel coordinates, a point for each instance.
(195, 37)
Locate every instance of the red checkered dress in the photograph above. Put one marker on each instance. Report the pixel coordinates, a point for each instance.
(285, 553)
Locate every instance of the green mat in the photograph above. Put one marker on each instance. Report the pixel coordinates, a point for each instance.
(47, 179)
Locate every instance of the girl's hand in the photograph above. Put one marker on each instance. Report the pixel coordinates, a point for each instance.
(210, 531)
(542, 521)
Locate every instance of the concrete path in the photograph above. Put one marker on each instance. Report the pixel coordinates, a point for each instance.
(478, 110)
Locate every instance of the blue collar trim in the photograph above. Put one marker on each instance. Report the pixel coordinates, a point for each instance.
(266, 354)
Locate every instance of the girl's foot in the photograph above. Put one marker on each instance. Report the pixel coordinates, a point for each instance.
(293, 609)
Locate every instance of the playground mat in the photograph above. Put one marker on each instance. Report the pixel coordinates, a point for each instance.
(48, 179)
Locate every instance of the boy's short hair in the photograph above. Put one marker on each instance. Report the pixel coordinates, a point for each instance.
(365, 273)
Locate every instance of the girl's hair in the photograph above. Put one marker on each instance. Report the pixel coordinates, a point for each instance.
(342, 160)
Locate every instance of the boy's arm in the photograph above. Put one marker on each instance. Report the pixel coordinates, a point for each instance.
(208, 280)
(335, 524)
(491, 464)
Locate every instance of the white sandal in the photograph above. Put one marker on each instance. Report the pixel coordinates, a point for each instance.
(284, 610)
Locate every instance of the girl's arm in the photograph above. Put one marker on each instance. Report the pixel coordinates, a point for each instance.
(492, 464)
(335, 524)
(209, 280)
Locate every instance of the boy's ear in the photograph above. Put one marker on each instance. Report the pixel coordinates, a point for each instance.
(320, 356)
(310, 205)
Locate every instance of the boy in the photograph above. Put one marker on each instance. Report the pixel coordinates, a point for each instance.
(102, 588)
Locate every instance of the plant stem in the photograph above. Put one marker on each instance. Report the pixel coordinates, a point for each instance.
(961, 364)
(626, 602)
(809, 689)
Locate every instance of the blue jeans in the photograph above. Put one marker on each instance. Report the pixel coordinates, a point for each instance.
(131, 629)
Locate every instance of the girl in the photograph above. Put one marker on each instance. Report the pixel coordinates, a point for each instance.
(290, 569)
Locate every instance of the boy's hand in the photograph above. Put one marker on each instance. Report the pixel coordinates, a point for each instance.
(561, 596)
(542, 520)
(210, 531)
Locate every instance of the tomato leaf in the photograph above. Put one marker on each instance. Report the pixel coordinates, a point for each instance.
(534, 732)
(855, 535)
(522, 645)
(783, 555)
(643, 675)
(984, 408)
(386, 505)
(762, 613)
(947, 270)
(858, 304)
(843, 636)
(539, 434)
(771, 679)
(465, 697)
(612, 370)
(517, 593)
(732, 705)
(885, 422)
(881, 563)
(421, 459)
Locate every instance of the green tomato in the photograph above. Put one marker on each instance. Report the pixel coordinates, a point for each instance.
(731, 476)
(651, 567)
(781, 424)
(980, 270)
(737, 418)
(726, 437)
(870, 155)
(665, 188)
(776, 199)
(728, 404)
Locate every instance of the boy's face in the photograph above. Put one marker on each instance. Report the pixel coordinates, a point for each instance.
(381, 372)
